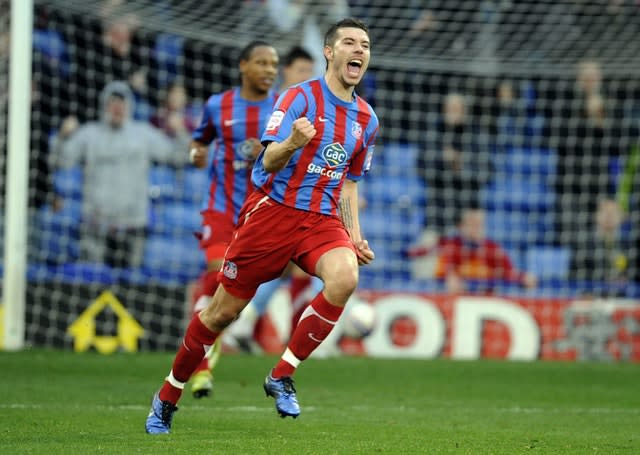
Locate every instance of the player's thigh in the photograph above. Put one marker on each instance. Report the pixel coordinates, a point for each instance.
(338, 265)
(326, 236)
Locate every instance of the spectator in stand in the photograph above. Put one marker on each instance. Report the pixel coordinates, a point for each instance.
(174, 114)
(108, 51)
(116, 153)
(469, 257)
(454, 166)
(586, 162)
(607, 255)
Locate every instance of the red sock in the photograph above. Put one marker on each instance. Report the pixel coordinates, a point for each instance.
(314, 326)
(296, 314)
(189, 355)
(299, 298)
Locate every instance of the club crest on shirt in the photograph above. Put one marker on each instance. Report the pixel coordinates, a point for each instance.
(356, 130)
(334, 154)
(230, 270)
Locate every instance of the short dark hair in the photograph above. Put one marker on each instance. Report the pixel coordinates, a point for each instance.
(350, 22)
(295, 53)
(245, 53)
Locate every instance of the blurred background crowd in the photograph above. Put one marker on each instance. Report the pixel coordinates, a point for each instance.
(508, 156)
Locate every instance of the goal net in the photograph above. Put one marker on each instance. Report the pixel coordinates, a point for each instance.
(517, 118)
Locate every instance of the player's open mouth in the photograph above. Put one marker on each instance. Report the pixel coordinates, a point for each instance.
(354, 67)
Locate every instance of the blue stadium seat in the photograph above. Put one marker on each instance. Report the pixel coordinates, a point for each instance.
(163, 183)
(548, 262)
(168, 52)
(397, 158)
(400, 190)
(51, 45)
(392, 225)
(533, 164)
(175, 219)
(194, 185)
(516, 229)
(177, 257)
(58, 232)
(517, 194)
(68, 182)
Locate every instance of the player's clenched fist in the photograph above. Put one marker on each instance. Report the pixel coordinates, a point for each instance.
(302, 131)
(364, 252)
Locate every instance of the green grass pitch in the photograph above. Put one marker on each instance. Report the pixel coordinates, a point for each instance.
(54, 402)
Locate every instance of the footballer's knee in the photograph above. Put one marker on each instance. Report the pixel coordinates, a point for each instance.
(340, 283)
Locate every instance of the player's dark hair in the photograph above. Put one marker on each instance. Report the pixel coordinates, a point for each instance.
(295, 53)
(350, 22)
(245, 54)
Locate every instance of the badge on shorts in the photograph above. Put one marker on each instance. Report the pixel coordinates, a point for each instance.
(230, 270)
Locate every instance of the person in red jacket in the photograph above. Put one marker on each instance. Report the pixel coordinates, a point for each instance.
(470, 255)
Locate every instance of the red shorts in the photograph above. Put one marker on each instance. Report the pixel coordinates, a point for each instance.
(269, 235)
(217, 231)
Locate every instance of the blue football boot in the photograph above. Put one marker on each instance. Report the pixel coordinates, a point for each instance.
(285, 395)
(160, 416)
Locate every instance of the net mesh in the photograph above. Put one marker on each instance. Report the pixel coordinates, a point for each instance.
(523, 113)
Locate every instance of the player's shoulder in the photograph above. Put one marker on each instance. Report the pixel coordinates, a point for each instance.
(215, 99)
(366, 108)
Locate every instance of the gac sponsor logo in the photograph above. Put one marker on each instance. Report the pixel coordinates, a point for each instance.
(330, 173)
(334, 154)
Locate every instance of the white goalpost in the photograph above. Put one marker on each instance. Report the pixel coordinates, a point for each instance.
(15, 240)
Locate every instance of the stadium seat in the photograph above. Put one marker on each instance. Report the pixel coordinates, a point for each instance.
(517, 229)
(383, 222)
(173, 256)
(58, 233)
(168, 52)
(531, 164)
(68, 182)
(176, 219)
(163, 184)
(400, 190)
(517, 194)
(396, 158)
(548, 262)
(194, 185)
(51, 46)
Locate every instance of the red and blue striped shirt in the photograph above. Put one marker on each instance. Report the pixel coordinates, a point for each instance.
(342, 147)
(228, 122)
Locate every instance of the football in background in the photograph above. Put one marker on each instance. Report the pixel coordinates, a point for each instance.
(359, 320)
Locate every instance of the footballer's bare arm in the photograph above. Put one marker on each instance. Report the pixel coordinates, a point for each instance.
(278, 154)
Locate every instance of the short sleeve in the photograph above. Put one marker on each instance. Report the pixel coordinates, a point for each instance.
(291, 105)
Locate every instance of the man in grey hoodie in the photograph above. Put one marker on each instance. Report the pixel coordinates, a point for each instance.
(116, 153)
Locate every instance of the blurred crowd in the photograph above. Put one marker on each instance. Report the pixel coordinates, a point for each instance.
(468, 128)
